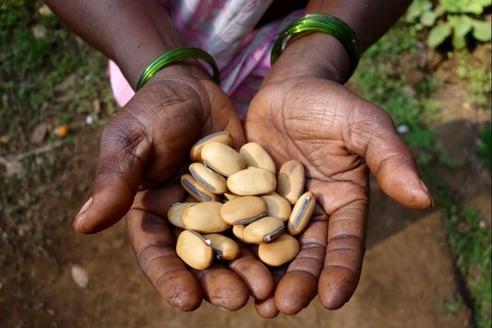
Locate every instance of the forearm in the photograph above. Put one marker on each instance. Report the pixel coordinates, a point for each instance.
(130, 32)
(323, 55)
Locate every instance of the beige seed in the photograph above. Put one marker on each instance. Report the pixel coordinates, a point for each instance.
(209, 179)
(204, 217)
(291, 180)
(196, 190)
(280, 251)
(278, 206)
(252, 181)
(225, 248)
(238, 231)
(255, 155)
(194, 250)
(301, 213)
(175, 213)
(243, 210)
(220, 136)
(263, 230)
(222, 158)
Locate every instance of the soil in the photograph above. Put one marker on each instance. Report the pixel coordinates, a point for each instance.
(408, 278)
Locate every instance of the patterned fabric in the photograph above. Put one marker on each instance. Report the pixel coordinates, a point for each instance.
(225, 29)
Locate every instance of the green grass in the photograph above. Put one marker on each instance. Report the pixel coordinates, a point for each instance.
(380, 79)
(469, 239)
(47, 76)
(34, 68)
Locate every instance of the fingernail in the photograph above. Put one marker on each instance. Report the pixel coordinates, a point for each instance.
(422, 184)
(80, 218)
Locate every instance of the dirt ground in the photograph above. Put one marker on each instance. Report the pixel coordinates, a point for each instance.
(408, 275)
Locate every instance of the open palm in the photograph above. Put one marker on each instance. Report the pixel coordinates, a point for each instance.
(338, 136)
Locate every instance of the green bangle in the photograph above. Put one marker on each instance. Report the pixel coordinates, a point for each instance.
(174, 55)
(320, 23)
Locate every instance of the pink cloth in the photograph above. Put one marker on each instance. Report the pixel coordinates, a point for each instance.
(225, 29)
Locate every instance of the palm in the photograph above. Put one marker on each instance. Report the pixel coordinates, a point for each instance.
(337, 136)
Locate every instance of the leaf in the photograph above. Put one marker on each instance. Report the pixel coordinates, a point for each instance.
(438, 34)
(459, 41)
(461, 25)
(481, 30)
(428, 18)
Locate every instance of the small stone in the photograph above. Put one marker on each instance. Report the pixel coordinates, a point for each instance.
(80, 276)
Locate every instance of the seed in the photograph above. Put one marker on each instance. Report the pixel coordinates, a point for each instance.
(301, 213)
(251, 181)
(175, 213)
(196, 190)
(222, 158)
(291, 180)
(225, 248)
(263, 230)
(194, 250)
(243, 210)
(204, 217)
(255, 155)
(278, 206)
(220, 136)
(209, 179)
(279, 251)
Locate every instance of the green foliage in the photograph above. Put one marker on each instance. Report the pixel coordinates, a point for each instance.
(485, 147)
(39, 55)
(469, 238)
(451, 19)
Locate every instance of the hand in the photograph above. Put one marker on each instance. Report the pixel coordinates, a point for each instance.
(337, 136)
(144, 149)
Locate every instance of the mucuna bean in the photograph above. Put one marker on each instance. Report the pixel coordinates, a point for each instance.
(243, 210)
(291, 180)
(194, 249)
(175, 213)
(301, 213)
(222, 158)
(196, 190)
(225, 248)
(255, 155)
(220, 136)
(279, 251)
(278, 206)
(209, 179)
(263, 230)
(204, 217)
(252, 181)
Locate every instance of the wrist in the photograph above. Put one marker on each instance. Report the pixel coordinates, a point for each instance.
(315, 55)
(318, 44)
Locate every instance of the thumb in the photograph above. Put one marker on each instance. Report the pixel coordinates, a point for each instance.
(391, 161)
(124, 152)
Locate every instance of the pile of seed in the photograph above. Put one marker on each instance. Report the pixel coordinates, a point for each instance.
(239, 196)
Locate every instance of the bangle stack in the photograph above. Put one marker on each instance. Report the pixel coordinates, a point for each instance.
(325, 24)
(174, 55)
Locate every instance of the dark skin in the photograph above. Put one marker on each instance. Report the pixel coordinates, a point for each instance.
(302, 111)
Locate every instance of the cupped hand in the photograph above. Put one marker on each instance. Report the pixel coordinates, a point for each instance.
(144, 149)
(339, 137)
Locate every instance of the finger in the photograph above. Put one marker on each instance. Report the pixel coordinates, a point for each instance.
(344, 254)
(223, 287)
(388, 158)
(154, 245)
(267, 308)
(298, 286)
(255, 274)
(124, 152)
